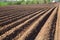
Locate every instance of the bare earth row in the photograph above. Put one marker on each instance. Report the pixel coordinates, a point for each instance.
(30, 22)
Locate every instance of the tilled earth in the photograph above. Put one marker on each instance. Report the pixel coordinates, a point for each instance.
(30, 22)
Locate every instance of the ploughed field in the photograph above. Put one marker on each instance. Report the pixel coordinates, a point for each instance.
(30, 22)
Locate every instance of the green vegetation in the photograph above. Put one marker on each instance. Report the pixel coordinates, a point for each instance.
(5, 2)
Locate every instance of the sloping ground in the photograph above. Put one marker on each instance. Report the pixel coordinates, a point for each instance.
(30, 22)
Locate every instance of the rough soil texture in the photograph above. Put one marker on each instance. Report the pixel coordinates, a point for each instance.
(30, 22)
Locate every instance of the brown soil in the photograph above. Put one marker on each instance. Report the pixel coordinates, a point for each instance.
(30, 22)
